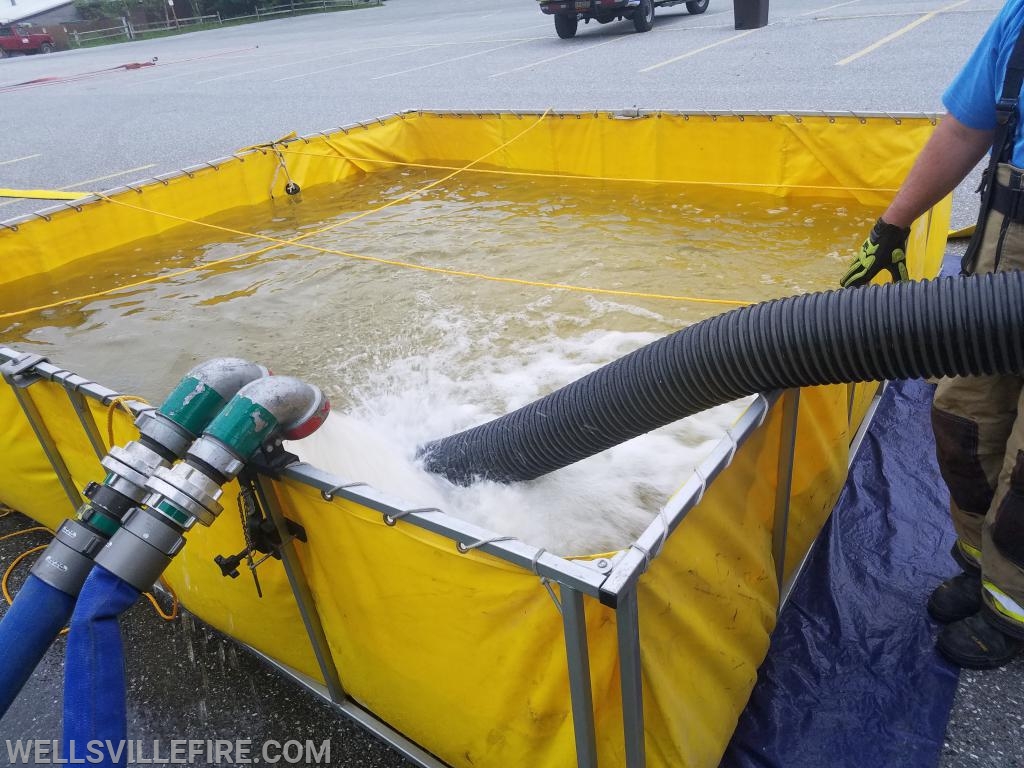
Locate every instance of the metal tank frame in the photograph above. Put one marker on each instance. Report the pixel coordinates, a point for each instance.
(612, 581)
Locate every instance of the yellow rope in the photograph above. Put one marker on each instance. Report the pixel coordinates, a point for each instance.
(14, 564)
(279, 242)
(270, 144)
(10, 570)
(115, 403)
(573, 177)
(26, 530)
(424, 188)
(156, 606)
(361, 257)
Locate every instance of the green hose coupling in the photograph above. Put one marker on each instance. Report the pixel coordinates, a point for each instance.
(204, 390)
(190, 491)
(243, 426)
(164, 437)
(262, 409)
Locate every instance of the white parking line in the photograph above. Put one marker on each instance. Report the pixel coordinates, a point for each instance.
(92, 181)
(350, 64)
(18, 159)
(299, 61)
(272, 67)
(78, 184)
(688, 27)
(410, 48)
(572, 52)
(458, 58)
(828, 7)
(904, 14)
(179, 73)
(700, 50)
(898, 33)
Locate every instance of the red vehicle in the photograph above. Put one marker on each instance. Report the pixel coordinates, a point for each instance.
(568, 13)
(15, 39)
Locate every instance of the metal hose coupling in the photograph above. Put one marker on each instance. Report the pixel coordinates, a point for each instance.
(164, 436)
(273, 408)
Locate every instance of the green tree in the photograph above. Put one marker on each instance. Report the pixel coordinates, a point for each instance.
(115, 9)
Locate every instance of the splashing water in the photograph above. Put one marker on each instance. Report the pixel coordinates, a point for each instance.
(597, 505)
(408, 356)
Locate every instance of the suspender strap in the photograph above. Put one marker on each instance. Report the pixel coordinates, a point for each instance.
(1006, 108)
(1002, 146)
(1009, 200)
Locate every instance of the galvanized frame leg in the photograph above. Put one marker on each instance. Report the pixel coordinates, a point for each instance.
(784, 486)
(81, 406)
(302, 593)
(627, 619)
(580, 693)
(14, 374)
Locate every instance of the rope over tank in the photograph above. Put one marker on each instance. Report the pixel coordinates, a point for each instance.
(946, 327)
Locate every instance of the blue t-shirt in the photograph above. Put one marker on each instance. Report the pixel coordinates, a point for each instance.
(971, 98)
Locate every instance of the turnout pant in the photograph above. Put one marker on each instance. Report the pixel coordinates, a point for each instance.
(979, 439)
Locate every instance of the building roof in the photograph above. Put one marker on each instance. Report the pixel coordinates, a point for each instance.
(16, 10)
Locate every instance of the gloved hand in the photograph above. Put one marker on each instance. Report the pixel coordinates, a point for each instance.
(885, 248)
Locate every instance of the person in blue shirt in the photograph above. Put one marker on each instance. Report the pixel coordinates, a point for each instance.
(978, 422)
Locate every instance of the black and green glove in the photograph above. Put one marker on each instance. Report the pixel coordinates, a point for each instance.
(885, 248)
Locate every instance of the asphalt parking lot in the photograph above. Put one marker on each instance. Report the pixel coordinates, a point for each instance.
(87, 123)
(80, 120)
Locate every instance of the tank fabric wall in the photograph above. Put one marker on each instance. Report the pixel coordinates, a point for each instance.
(811, 156)
(464, 653)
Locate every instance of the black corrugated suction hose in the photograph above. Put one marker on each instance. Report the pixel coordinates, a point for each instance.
(947, 327)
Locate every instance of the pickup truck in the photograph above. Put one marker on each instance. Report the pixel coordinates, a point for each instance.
(568, 13)
(15, 39)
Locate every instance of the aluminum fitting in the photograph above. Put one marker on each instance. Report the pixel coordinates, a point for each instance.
(189, 490)
(213, 452)
(164, 431)
(131, 466)
(227, 375)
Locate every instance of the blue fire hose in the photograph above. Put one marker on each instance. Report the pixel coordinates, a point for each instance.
(95, 689)
(94, 673)
(38, 614)
(45, 603)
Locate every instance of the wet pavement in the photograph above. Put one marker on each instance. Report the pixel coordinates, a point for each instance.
(213, 92)
(986, 724)
(187, 681)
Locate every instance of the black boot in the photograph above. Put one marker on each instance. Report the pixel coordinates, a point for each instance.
(956, 598)
(975, 643)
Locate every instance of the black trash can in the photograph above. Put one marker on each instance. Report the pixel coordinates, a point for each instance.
(750, 14)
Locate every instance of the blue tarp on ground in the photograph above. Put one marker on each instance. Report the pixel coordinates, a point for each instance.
(852, 678)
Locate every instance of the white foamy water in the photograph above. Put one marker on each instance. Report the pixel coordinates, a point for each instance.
(409, 356)
(597, 505)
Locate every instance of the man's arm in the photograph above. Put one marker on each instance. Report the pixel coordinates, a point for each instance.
(950, 154)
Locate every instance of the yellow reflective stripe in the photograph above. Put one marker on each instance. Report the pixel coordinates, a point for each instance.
(1003, 603)
(971, 552)
(43, 194)
(956, 234)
